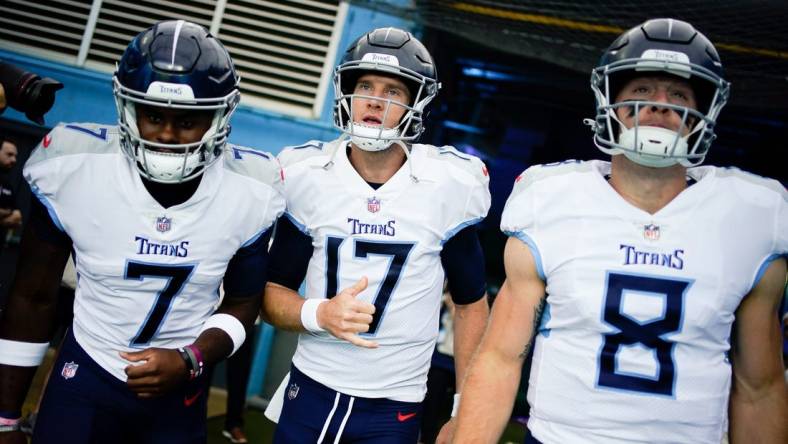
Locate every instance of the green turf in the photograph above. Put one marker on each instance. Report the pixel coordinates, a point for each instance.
(260, 430)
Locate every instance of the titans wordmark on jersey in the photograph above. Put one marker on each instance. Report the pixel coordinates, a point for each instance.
(392, 235)
(148, 276)
(633, 344)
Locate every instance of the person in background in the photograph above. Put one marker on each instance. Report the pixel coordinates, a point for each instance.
(10, 215)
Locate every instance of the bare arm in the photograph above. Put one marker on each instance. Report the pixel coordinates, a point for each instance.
(343, 316)
(469, 323)
(759, 399)
(491, 382)
(30, 313)
(12, 220)
(282, 307)
(217, 345)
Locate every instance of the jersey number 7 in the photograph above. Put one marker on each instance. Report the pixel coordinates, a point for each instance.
(176, 276)
(398, 253)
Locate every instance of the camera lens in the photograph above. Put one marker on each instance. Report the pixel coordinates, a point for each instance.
(28, 92)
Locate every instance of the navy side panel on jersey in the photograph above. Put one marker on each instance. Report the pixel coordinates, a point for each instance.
(463, 262)
(290, 254)
(44, 226)
(246, 271)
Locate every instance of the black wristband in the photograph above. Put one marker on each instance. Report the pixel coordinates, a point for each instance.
(188, 360)
(193, 364)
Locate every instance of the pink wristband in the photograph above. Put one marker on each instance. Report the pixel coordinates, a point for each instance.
(9, 422)
(198, 356)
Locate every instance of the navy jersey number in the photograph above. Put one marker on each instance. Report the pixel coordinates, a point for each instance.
(176, 276)
(648, 334)
(238, 153)
(398, 252)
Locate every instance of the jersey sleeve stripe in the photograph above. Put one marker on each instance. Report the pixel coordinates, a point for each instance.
(49, 207)
(762, 269)
(459, 228)
(301, 227)
(254, 238)
(531, 246)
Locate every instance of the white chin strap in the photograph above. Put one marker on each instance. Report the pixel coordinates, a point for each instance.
(653, 146)
(371, 138)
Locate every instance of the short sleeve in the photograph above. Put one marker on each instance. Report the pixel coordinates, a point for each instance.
(782, 225)
(470, 184)
(519, 216)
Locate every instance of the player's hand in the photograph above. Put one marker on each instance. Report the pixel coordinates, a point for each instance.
(13, 220)
(154, 371)
(13, 438)
(345, 317)
(446, 435)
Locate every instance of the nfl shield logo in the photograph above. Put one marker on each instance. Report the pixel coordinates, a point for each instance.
(69, 370)
(163, 224)
(651, 232)
(373, 205)
(292, 391)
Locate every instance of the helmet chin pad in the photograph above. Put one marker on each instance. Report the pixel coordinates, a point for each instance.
(371, 138)
(652, 146)
(169, 167)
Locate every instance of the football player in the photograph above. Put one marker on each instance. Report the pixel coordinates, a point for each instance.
(631, 273)
(383, 218)
(158, 211)
(10, 216)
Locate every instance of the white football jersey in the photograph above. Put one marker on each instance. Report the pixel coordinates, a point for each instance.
(147, 276)
(393, 236)
(633, 343)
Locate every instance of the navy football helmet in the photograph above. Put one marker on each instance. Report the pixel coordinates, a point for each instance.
(386, 51)
(665, 46)
(179, 65)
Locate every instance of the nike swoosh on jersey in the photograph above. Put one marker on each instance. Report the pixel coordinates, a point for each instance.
(405, 417)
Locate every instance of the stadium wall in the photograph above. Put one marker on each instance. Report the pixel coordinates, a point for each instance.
(87, 95)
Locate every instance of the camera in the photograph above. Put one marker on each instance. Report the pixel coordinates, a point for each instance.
(28, 92)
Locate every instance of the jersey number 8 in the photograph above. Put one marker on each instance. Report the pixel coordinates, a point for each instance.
(648, 334)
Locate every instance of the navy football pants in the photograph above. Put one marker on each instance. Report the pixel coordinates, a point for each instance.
(86, 404)
(313, 413)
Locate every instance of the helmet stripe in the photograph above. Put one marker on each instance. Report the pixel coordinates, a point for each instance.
(175, 40)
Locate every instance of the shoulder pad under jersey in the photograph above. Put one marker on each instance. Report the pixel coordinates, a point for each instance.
(752, 179)
(314, 148)
(255, 164)
(76, 138)
(459, 160)
(536, 173)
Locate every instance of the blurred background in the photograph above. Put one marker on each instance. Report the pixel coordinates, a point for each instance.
(515, 78)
